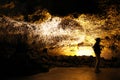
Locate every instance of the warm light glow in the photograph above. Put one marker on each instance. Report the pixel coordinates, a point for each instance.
(85, 51)
(60, 32)
(74, 51)
(68, 35)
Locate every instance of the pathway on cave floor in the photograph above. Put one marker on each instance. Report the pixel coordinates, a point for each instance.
(80, 73)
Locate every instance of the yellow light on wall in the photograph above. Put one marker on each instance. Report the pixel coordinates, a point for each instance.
(85, 51)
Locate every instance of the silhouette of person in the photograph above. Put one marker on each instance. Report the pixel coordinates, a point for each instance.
(97, 49)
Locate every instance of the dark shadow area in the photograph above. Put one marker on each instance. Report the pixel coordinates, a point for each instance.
(65, 7)
(55, 7)
(15, 60)
(15, 56)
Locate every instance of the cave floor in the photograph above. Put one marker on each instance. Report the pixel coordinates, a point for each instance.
(75, 73)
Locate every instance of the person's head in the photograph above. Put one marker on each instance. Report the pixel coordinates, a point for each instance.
(98, 39)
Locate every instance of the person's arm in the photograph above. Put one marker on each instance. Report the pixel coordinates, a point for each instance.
(101, 47)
